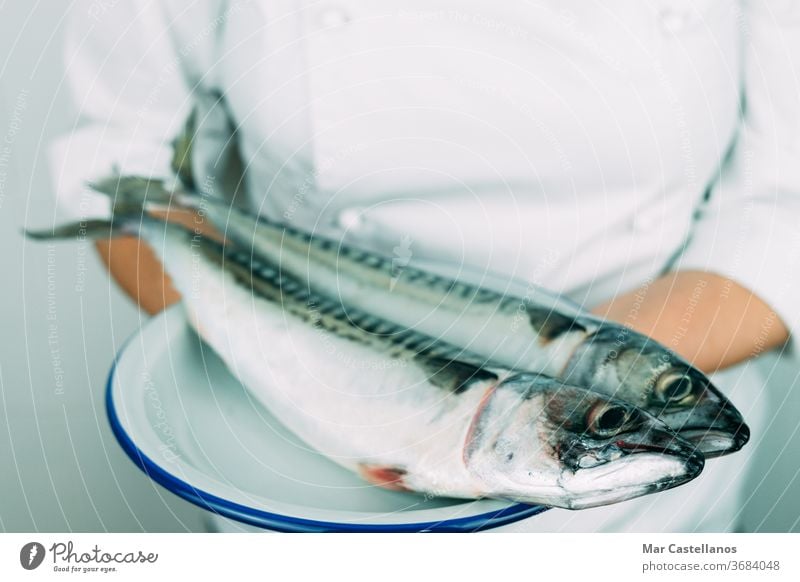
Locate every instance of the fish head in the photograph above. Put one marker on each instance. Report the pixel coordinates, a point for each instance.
(538, 440)
(627, 365)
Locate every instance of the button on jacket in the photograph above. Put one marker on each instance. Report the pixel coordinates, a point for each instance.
(581, 146)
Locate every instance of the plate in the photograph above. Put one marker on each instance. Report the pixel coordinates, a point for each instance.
(193, 428)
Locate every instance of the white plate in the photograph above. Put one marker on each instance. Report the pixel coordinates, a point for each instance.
(185, 421)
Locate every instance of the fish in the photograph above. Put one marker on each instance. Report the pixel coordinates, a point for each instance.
(535, 331)
(404, 410)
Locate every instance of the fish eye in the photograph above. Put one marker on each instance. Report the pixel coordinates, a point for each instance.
(607, 420)
(673, 387)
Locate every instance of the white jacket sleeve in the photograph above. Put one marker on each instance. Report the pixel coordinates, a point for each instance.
(129, 72)
(750, 229)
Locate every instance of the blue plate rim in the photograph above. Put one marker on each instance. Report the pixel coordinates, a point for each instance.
(288, 523)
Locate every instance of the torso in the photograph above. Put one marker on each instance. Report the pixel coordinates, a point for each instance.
(564, 144)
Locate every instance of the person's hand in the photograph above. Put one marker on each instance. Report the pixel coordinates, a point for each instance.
(708, 319)
(137, 270)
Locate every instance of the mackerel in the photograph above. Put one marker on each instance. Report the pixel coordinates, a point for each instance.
(398, 406)
(536, 331)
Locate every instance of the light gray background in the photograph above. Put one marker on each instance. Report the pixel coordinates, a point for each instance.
(60, 467)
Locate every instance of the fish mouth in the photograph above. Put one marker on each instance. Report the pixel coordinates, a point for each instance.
(583, 492)
(639, 463)
(715, 442)
(692, 458)
(655, 440)
(713, 424)
(615, 495)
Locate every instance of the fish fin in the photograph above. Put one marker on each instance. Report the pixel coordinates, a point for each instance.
(551, 325)
(452, 375)
(129, 194)
(384, 476)
(90, 229)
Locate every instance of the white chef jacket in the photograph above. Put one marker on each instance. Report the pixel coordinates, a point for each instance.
(568, 144)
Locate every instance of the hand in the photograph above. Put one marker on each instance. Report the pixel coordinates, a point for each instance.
(137, 270)
(708, 319)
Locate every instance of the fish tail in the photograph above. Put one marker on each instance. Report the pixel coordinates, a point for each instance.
(133, 200)
(85, 229)
(130, 194)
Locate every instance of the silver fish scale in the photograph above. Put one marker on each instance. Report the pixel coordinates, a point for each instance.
(333, 315)
(374, 273)
(378, 262)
